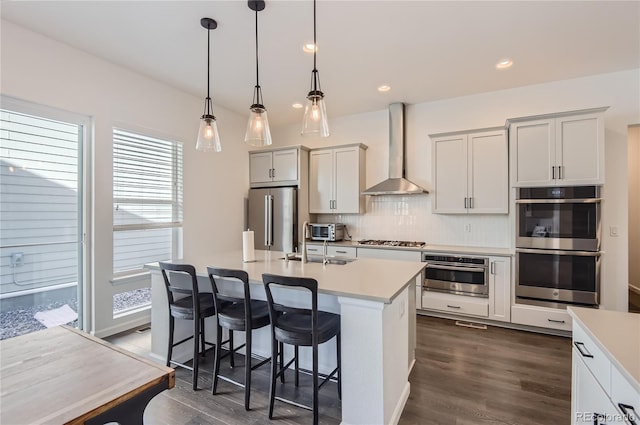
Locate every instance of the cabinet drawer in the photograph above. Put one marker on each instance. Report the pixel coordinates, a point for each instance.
(314, 249)
(342, 251)
(458, 304)
(593, 357)
(541, 317)
(623, 392)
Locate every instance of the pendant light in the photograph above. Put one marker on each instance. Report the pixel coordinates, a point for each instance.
(258, 133)
(314, 121)
(208, 137)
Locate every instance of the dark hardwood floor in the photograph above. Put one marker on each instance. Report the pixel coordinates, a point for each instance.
(462, 376)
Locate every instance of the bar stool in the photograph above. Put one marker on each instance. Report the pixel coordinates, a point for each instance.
(236, 314)
(192, 305)
(300, 327)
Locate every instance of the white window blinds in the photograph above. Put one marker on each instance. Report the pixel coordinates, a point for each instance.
(39, 213)
(147, 199)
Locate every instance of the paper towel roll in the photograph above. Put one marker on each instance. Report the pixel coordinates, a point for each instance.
(248, 253)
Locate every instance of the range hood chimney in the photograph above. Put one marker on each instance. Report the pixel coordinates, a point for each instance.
(396, 184)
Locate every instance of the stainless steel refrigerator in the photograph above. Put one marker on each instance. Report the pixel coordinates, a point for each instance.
(273, 217)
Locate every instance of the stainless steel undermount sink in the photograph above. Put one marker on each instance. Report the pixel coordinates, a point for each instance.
(318, 259)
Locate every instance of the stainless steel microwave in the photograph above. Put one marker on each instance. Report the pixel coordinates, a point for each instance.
(327, 231)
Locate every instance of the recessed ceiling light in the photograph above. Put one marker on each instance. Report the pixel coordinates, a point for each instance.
(384, 88)
(309, 47)
(297, 105)
(504, 63)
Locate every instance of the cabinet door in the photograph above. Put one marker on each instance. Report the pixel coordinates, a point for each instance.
(500, 288)
(533, 150)
(347, 180)
(260, 165)
(580, 149)
(320, 181)
(285, 165)
(590, 404)
(450, 159)
(488, 185)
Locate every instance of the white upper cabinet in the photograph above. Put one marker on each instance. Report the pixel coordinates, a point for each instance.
(471, 172)
(336, 178)
(562, 149)
(275, 166)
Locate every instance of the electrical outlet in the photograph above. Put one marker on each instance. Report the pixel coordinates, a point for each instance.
(614, 231)
(16, 259)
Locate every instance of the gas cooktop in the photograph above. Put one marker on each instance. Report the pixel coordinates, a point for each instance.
(411, 244)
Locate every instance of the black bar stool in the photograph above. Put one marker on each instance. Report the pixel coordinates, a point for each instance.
(189, 304)
(236, 314)
(300, 327)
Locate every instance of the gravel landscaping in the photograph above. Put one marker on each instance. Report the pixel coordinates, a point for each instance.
(21, 320)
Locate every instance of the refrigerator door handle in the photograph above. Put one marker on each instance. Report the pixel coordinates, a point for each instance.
(266, 220)
(269, 227)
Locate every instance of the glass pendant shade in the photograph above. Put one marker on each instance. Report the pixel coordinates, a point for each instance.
(258, 133)
(208, 137)
(314, 122)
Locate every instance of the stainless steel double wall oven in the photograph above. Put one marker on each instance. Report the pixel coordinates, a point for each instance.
(558, 246)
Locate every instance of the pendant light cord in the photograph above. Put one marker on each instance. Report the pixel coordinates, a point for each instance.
(257, 69)
(208, 69)
(257, 93)
(315, 45)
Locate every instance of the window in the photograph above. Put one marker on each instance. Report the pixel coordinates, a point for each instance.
(147, 200)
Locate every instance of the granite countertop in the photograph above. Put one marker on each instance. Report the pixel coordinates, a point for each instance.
(454, 249)
(375, 280)
(617, 334)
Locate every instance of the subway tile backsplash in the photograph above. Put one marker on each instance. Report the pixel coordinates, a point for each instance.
(409, 218)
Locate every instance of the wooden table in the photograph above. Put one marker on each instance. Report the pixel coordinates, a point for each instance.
(64, 376)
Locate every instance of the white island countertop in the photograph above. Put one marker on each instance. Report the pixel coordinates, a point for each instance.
(368, 279)
(617, 334)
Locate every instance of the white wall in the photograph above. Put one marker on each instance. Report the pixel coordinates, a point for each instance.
(41, 70)
(410, 217)
(634, 206)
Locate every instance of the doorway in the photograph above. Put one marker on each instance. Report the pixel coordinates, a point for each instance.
(634, 217)
(42, 218)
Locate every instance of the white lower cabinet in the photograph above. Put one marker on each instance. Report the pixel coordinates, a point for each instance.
(541, 317)
(500, 288)
(625, 396)
(457, 304)
(600, 394)
(590, 402)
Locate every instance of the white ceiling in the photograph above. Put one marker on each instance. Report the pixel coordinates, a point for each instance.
(425, 50)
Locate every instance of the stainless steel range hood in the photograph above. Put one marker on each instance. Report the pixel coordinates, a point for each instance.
(396, 184)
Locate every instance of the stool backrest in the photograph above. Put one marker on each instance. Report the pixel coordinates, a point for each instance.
(174, 289)
(276, 310)
(220, 297)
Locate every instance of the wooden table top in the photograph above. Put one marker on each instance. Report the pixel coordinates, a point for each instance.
(62, 375)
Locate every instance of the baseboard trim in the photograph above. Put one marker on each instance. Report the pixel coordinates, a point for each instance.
(397, 412)
(634, 288)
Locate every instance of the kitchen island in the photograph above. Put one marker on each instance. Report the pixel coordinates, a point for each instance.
(375, 301)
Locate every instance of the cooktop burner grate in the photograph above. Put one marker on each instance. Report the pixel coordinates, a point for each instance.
(411, 244)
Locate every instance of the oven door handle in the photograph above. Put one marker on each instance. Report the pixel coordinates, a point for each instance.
(456, 269)
(559, 201)
(558, 252)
